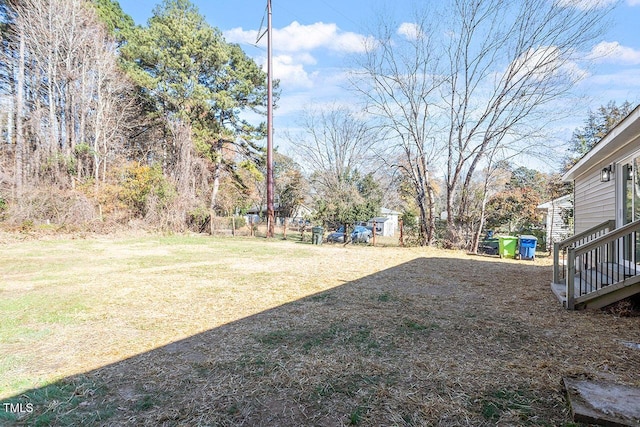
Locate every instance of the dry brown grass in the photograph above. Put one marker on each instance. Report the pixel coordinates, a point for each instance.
(200, 331)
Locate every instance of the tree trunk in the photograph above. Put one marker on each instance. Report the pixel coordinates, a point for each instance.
(20, 115)
(97, 131)
(71, 132)
(478, 232)
(214, 192)
(424, 198)
(451, 224)
(82, 136)
(431, 230)
(52, 107)
(51, 82)
(424, 219)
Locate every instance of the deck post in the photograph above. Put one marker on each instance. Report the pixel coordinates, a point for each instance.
(610, 246)
(570, 278)
(556, 262)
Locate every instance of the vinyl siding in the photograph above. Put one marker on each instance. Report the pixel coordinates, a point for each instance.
(557, 230)
(594, 201)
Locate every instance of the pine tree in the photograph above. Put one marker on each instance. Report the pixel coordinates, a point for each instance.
(596, 127)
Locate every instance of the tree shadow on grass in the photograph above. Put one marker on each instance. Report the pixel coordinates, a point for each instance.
(432, 341)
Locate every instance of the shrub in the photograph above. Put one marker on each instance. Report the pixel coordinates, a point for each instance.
(46, 206)
(240, 221)
(83, 149)
(4, 205)
(57, 163)
(140, 183)
(198, 218)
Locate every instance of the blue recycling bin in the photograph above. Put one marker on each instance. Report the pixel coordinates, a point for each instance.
(527, 247)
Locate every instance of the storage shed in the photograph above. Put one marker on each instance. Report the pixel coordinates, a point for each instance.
(559, 219)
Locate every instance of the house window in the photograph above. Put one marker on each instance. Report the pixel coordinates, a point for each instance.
(631, 207)
(631, 191)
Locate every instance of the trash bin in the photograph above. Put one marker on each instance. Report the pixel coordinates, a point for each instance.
(527, 247)
(507, 246)
(489, 246)
(316, 235)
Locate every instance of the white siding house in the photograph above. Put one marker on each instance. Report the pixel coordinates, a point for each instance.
(600, 263)
(557, 229)
(596, 199)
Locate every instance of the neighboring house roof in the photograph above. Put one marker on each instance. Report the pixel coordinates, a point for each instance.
(304, 207)
(385, 211)
(380, 219)
(625, 131)
(564, 200)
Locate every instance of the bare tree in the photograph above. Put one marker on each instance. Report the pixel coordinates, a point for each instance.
(77, 98)
(107, 93)
(335, 143)
(290, 188)
(473, 78)
(20, 113)
(336, 150)
(509, 63)
(398, 79)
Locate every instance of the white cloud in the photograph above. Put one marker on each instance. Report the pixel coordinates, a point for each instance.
(291, 72)
(238, 35)
(544, 62)
(306, 58)
(296, 37)
(588, 4)
(625, 80)
(620, 85)
(294, 47)
(410, 31)
(633, 2)
(614, 52)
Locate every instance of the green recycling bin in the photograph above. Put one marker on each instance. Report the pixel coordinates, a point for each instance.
(316, 235)
(507, 246)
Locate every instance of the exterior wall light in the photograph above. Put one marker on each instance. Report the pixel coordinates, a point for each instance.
(605, 174)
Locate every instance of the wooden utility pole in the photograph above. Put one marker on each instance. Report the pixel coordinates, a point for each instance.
(270, 209)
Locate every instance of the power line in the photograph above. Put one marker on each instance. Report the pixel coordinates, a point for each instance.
(259, 37)
(342, 14)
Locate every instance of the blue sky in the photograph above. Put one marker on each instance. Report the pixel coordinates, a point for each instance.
(315, 39)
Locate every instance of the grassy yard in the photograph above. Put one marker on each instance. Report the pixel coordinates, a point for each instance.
(193, 330)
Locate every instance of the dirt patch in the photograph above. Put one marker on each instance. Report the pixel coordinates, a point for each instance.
(329, 335)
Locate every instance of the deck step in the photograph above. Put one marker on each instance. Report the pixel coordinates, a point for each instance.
(597, 298)
(560, 291)
(593, 279)
(605, 274)
(616, 270)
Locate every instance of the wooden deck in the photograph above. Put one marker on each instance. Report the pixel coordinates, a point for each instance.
(599, 298)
